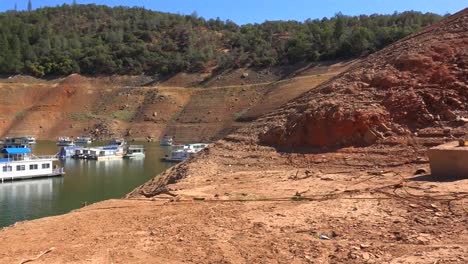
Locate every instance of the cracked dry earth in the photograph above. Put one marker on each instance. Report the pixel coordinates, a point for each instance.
(242, 203)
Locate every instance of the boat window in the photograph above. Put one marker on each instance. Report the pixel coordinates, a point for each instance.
(20, 167)
(46, 165)
(7, 168)
(33, 167)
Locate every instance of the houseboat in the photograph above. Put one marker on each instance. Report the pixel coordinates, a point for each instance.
(65, 141)
(83, 140)
(18, 142)
(106, 153)
(19, 163)
(183, 152)
(68, 151)
(135, 151)
(166, 141)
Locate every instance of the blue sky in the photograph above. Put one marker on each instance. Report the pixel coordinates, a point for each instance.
(257, 11)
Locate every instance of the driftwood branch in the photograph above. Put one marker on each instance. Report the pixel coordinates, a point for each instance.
(38, 256)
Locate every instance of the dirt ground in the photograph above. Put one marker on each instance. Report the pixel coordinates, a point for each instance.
(241, 203)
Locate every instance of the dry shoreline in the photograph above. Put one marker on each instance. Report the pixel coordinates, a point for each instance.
(248, 204)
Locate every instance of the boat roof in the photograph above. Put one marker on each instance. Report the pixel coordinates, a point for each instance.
(16, 150)
(110, 147)
(73, 147)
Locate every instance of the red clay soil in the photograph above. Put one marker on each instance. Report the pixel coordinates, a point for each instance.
(239, 201)
(417, 83)
(138, 108)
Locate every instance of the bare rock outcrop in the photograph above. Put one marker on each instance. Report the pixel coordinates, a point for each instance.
(417, 83)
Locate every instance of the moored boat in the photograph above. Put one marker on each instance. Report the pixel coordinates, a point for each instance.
(17, 142)
(31, 140)
(183, 152)
(100, 153)
(83, 140)
(68, 151)
(65, 141)
(135, 151)
(20, 163)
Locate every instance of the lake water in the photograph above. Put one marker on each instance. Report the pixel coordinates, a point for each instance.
(89, 181)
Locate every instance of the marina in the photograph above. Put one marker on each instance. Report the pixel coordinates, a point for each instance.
(85, 181)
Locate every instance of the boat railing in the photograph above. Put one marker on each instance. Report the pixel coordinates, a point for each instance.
(42, 157)
(136, 146)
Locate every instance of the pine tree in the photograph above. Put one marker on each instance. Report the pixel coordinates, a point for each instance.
(29, 6)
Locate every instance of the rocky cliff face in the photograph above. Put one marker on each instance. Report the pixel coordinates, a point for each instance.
(417, 83)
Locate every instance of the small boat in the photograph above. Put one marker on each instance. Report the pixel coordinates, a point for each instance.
(83, 140)
(135, 151)
(31, 140)
(20, 163)
(183, 152)
(166, 141)
(65, 141)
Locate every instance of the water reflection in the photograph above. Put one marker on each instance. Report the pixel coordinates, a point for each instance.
(27, 189)
(27, 198)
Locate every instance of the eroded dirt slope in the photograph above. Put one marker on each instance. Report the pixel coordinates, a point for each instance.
(418, 83)
(137, 107)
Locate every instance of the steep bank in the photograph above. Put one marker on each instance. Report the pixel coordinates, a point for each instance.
(136, 107)
(416, 85)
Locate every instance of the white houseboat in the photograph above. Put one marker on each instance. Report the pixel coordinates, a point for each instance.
(19, 163)
(65, 141)
(18, 142)
(135, 151)
(183, 152)
(83, 140)
(104, 153)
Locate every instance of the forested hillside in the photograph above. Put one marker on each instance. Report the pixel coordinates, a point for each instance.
(94, 39)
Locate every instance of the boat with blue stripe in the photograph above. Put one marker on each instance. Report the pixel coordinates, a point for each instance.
(20, 163)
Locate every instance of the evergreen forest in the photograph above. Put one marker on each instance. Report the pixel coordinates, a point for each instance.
(96, 39)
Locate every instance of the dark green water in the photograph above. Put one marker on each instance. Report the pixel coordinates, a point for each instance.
(89, 181)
